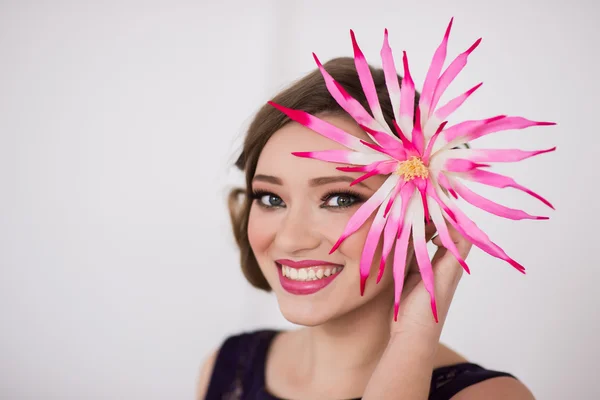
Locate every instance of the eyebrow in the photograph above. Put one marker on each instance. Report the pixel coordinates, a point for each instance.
(324, 180)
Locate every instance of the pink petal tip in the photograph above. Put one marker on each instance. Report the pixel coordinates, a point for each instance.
(363, 281)
(305, 154)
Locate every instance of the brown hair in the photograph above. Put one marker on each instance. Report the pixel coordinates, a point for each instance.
(307, 94)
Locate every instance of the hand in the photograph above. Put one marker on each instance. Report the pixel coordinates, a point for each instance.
(404, 369)
(415, 317)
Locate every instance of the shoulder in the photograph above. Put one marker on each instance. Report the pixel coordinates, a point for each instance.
(446, 356)
(497, 388)
(205, 374)
(236, 354)
(463, 380)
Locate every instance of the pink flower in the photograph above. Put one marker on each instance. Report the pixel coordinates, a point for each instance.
(421, 161)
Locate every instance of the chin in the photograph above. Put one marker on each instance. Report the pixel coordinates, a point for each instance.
(304, 320)
(305, 312)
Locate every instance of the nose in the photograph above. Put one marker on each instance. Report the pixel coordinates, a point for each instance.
(297, 233)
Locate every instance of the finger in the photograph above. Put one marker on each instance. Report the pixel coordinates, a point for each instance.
(447, 270)
(446, 266)
(429, 231)
(462, 244)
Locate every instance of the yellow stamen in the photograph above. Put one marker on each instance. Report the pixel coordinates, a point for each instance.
(412, 168)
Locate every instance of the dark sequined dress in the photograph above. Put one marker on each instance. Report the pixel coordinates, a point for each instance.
(239, 371)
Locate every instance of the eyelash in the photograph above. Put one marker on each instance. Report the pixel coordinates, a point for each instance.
(357, 197)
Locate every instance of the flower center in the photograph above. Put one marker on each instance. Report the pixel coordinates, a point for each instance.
(412, 168)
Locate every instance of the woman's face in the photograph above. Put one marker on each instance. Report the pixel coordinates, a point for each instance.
(301, 208)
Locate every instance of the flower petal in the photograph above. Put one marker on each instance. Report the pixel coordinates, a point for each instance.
(432, 141)
(396, 153)
(456, 134)
(391, 75)
(365, 211)
(422, 185)
(418, 139)
(324, 128)
(499, 181)
(460, 165)
(442, 229)
(343, 156)
(420, 245)
(408, 145)
(445, 183)
(348, 103)
(451, 73)
(400, 253)
(473, 233)
(388, 141)
(490, 206)
(366, 81)
(368, 252)
(497, 155)
(407, 100)
(442, 113)
(433, 74)
(383, 168)
(360, 168)
(496, 125)
(395, 194)
(396, 216)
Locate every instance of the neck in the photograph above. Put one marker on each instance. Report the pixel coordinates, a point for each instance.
(348, 348)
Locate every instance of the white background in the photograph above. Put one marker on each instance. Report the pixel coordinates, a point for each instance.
(119, 123)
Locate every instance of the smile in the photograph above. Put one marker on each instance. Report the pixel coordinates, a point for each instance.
(306, 277)
(309, 274)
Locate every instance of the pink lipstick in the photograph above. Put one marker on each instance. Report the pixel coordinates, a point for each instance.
(305, 263)
(314, 275)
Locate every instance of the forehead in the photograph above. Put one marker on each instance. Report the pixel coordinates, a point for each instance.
(277, 158)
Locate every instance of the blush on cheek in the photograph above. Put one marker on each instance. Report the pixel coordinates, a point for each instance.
(262, 228)
(255, 234)
(353, 245)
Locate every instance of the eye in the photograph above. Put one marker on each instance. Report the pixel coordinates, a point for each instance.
(271, 200)
(268, 200)
(340, 200)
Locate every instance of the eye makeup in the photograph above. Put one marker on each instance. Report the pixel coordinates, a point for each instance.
(259, 195)
(269, 200)
(355, 198)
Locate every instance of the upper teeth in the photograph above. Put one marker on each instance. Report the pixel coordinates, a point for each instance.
(308, 274)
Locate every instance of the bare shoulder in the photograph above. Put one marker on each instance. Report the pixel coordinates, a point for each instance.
(446, 356)
(205, 374)
(498, 388)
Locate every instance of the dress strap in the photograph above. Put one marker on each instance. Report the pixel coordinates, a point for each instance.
(448, 381)
(239, 367)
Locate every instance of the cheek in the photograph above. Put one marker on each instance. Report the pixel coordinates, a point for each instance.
(260, 230)
(352, 247)
(330, 225)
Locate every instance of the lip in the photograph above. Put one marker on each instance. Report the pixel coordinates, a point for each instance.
(305, 263)
(304, 287)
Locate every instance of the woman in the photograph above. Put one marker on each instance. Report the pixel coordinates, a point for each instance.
(292, 212)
